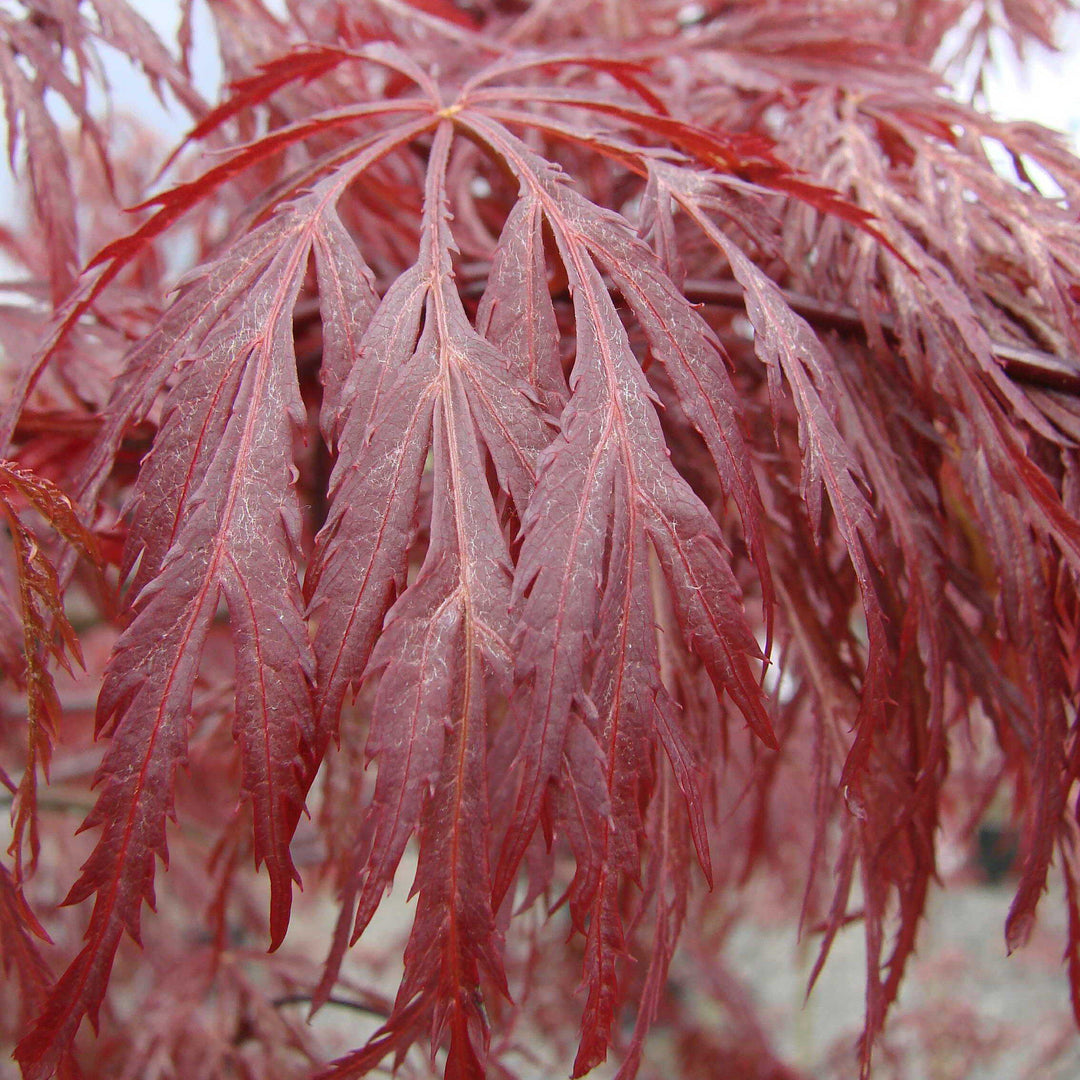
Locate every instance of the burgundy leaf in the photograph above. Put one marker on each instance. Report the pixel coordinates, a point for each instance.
(559, 444)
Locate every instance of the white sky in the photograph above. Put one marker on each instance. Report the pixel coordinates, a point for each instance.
(1047, 90)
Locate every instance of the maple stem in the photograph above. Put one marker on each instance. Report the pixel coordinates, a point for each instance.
(343, 1003)
(1032, 366)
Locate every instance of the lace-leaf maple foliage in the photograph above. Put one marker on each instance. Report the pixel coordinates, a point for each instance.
(645, 434)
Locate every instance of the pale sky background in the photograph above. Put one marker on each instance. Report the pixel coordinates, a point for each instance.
(1047, 90)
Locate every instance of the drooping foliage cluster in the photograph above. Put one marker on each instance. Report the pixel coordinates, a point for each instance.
(645, 434)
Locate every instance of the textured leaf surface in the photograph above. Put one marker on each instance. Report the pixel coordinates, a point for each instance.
(576, 449)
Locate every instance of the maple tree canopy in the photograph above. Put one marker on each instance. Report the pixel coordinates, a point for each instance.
(646, 434)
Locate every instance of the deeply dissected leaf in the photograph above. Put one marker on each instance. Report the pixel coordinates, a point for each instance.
(47, 635)
(645, 437)
(229, 432)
